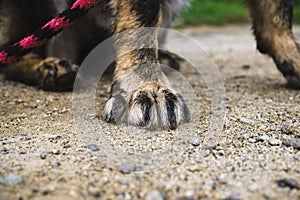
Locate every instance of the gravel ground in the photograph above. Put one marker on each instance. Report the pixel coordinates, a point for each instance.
(45, 154)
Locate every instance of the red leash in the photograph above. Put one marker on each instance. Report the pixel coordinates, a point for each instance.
(41, 35)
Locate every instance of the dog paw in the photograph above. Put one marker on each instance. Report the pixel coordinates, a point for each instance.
(151, 105)
(56, 74)
(286, 55)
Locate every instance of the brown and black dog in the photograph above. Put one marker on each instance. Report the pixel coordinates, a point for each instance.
(149, 101)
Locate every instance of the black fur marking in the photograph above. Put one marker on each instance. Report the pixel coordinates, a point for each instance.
(289, 73)
(285, 10)
(154, 96)
(289, 67)
(260, 46)
(147, 11)
(65, 64)
(146, 105)
(286, 68)
(147, 55)
(52, 69)
(170, 99)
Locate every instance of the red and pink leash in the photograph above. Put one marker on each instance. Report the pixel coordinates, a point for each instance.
(50, 29)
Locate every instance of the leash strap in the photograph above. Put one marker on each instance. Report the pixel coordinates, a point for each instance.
(50, 29)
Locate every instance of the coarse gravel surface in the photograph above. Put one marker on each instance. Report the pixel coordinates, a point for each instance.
(44, 154)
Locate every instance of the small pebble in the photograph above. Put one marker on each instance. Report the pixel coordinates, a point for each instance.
(154, 195)
(264, 138)
(275, 142)
(47, 189)
(53, 137)
(62, 180)
(127, 168)
(292, 142)
(246, 121)
(195, 141)
(120, 194)
(94, 191)
(93, 116)
(234, 196)
(253, 188)
(130, 152)
(33, 105)
(55, 151)
(196, 84)
(102, 94)
(288, 182)
(20, 135)
(210, 145)
(5, 150)
(252, 140)
(269, 195)
(34, 190)
(55, 164)
(164, 195)
(246, 66)
(194, 168)
(12, 179)
(66, 144)
(74, 193)
(210, 183)
(43, 155)
(93, 147)
(125, 182)
(189, 194)
(43, 173)
(248, 102)
(269, 101)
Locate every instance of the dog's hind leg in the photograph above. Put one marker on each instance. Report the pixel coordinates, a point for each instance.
(272, 25)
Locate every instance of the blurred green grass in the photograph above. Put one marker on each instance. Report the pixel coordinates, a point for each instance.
(221, 12)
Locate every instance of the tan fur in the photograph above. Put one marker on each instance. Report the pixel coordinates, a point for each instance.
(267, 24)
(26, 69)
(125, 20)
(45, 73)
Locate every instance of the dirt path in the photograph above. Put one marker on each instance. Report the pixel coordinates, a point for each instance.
(44, 155)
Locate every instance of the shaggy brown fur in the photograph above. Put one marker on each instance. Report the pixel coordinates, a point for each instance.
(272, 25)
